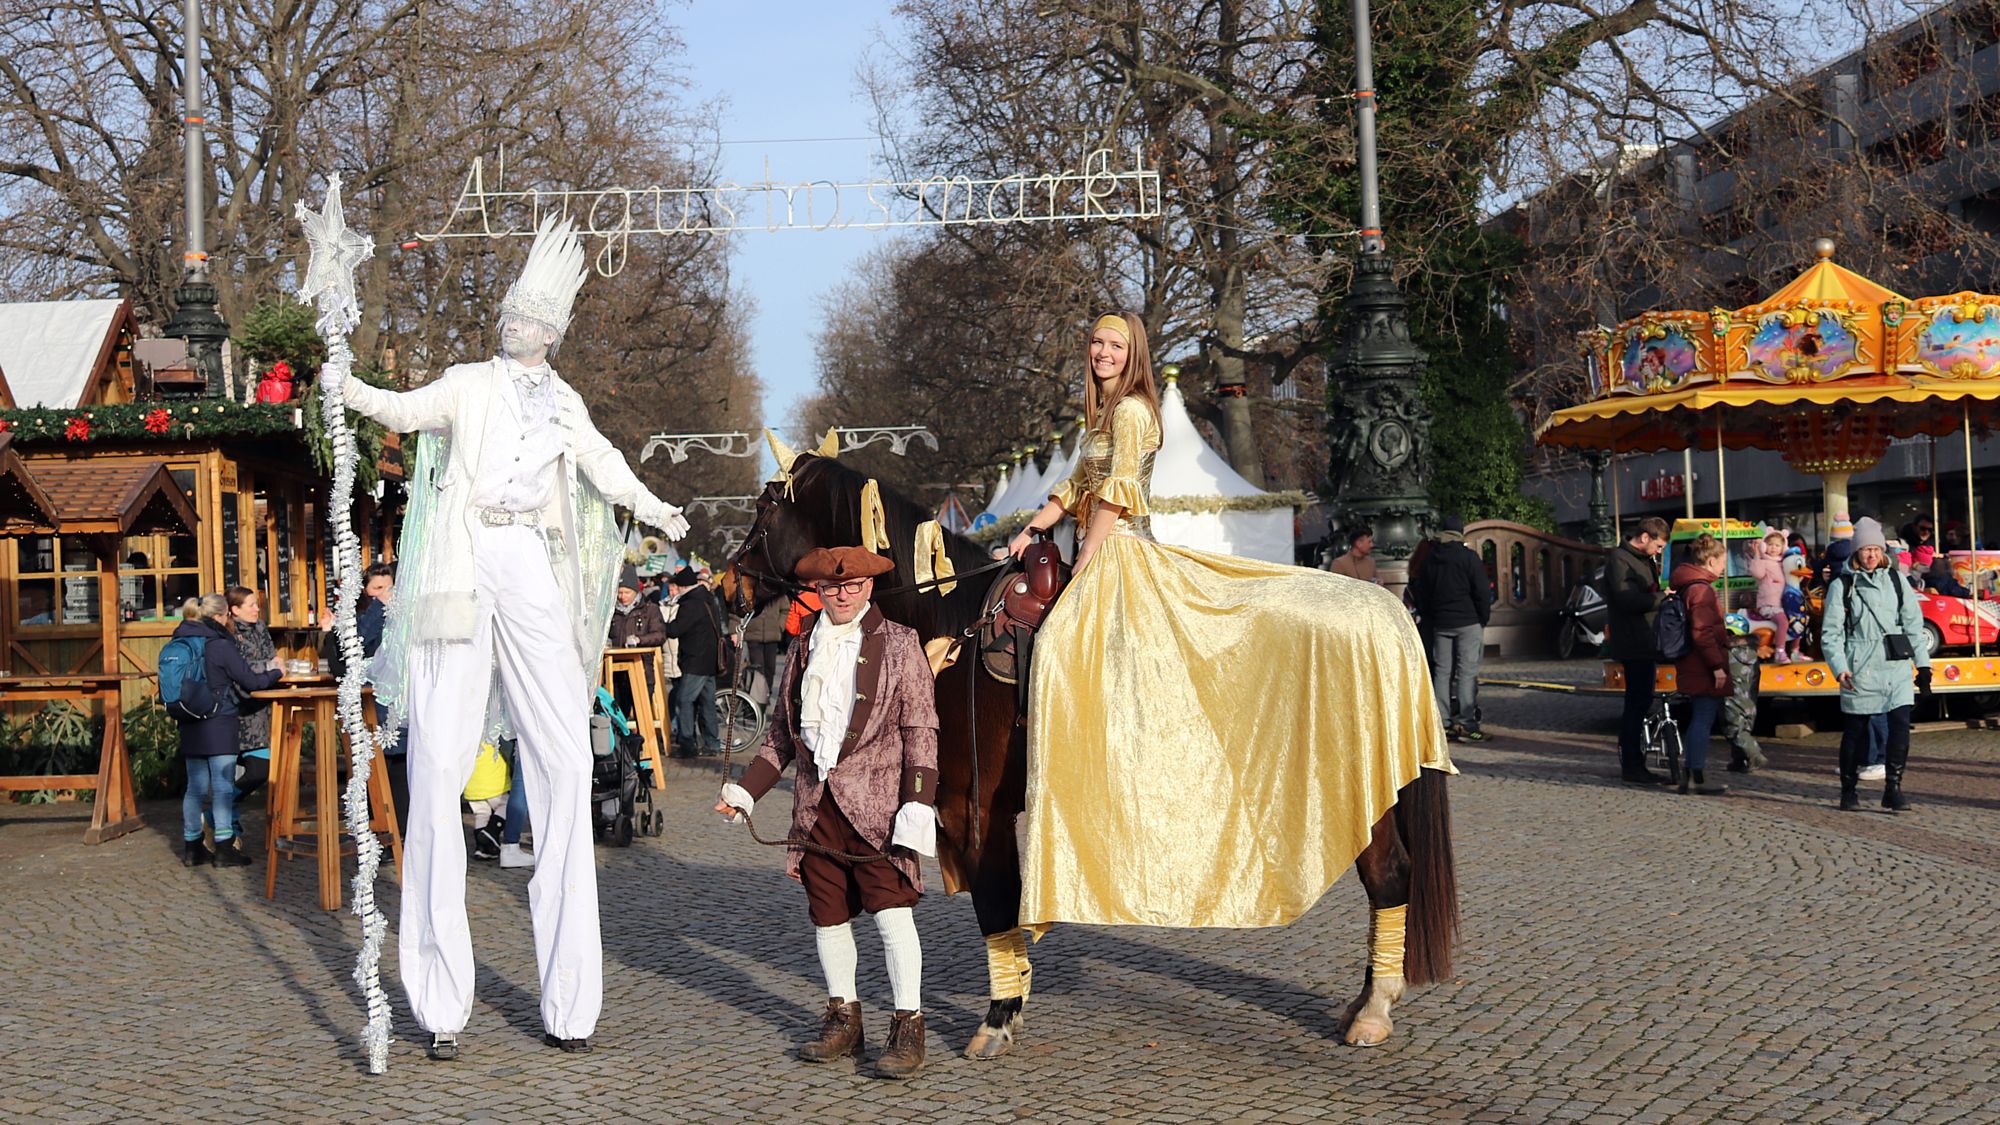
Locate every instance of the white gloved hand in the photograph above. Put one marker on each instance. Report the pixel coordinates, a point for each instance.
(668, 519)
(737, 797)
(915, 829)
(330, 378)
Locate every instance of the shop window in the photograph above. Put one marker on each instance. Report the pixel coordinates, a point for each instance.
(56, 581)
(1490, 555)
(1517, 573)
(232, 550)
(1542, 576)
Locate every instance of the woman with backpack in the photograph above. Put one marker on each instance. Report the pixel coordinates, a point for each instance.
(1702, 672)
(203, 700)
(1872, 634)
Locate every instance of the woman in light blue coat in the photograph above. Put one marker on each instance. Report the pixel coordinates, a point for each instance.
(1872, 635)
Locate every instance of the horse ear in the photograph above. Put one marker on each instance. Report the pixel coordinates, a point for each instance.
(784, 454)
(829, 446)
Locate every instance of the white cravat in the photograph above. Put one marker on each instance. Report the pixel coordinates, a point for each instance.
(826, 695)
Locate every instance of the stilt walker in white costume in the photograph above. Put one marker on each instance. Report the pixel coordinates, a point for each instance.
(509, 556)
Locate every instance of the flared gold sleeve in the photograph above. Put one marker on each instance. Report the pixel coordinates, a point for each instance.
(1070, 492)
(1132, 427)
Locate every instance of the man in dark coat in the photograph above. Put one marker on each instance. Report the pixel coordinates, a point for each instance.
(856, 717)
(1632, 591)
(1453, 596)
(698, 628)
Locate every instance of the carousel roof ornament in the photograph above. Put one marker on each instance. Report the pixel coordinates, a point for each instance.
(1792, 372)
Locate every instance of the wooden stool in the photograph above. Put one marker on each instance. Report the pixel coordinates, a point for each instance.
(291, 831)
(641, 669)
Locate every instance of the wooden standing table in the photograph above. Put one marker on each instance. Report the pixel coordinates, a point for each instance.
(114, 812)
(290, 832)
(641, 669)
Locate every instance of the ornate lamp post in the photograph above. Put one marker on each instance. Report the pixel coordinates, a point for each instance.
(195, 317)
(1377, 420)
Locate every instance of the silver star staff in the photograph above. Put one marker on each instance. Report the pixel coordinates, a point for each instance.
(329, 286)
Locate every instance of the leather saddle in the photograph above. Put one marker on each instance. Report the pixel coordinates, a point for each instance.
(1022, 599)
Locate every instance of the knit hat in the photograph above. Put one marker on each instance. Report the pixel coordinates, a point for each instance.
(1867, 532)
(629, 579)
(1843, 528)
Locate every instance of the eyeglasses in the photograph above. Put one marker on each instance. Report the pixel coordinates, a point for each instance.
(850, 588)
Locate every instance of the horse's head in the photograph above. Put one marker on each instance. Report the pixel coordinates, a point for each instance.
(737, 590)
(783, 531)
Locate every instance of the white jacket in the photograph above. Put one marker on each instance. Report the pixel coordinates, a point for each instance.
(463, 402)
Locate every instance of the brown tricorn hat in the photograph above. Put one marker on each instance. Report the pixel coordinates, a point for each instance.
(838, 564)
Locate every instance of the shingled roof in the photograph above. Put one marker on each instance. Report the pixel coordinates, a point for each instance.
(106, 497)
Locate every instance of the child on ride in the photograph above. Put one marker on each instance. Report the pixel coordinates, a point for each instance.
(1767, 567)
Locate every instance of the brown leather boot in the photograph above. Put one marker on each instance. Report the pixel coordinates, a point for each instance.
(903, 1053)
(839, 1034)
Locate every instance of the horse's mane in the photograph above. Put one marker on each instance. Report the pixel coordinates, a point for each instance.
(828, 494)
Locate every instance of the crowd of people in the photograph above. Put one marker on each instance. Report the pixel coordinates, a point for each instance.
(1871, 635)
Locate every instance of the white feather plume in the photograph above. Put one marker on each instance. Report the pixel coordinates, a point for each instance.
(546, 290)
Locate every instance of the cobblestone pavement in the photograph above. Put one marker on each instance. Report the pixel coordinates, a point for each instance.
(1627, 956)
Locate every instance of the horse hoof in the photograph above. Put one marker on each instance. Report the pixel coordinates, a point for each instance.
(989, 1043)
(1367, 1031)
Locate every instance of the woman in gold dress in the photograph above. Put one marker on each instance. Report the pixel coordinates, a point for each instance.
(1211, 738)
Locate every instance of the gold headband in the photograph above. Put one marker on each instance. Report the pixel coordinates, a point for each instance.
(1115, 323)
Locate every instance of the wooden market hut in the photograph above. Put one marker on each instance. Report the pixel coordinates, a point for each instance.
(97, 507)
(245, 469)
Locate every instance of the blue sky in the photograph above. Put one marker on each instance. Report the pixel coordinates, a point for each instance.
(785, 73)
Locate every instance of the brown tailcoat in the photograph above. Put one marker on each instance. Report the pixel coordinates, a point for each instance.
(890, 755)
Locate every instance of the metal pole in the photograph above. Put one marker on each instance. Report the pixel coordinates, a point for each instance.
(1722, 500)
(1364, 129)
(1687, 478)
(1617, 515)
(1937, 519)
(195, 261)
(1971, 524)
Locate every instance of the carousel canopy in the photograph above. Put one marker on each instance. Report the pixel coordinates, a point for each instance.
(1827, 369)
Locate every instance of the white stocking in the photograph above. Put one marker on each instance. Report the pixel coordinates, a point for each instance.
(905, 954)
(836, 960)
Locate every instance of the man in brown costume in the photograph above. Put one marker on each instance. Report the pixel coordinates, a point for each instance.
(854, 709)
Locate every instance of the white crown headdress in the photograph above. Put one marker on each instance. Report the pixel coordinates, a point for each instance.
(547, 287)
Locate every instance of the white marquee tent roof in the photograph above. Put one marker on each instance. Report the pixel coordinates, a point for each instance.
(1187, 465)
(49, 349)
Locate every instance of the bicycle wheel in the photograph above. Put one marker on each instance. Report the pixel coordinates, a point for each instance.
(1670, 749)
(741, 719)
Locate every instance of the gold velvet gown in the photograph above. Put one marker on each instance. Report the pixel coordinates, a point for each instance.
(1211, 738)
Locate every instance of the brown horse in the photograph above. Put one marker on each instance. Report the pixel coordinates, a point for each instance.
(983, 761)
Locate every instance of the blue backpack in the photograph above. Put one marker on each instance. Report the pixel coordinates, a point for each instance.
(184, 679)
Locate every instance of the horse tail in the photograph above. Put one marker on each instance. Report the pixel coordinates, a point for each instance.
(1423, 818)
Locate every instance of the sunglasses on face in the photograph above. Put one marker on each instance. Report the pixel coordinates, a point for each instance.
(850, 588)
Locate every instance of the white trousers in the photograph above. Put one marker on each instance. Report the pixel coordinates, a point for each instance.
(525, 634)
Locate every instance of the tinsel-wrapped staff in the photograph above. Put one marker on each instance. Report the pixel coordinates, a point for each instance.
(328, 286)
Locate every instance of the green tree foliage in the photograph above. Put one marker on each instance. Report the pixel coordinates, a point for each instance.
(1446, 112)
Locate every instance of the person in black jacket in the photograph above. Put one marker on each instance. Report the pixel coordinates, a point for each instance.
(1453, 596)
(1633, 594)
(209, 746)
(698, 628)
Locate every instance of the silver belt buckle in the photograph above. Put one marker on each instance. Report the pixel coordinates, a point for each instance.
(500, 517)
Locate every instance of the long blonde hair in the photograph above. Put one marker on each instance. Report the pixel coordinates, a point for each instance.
(1135, 382)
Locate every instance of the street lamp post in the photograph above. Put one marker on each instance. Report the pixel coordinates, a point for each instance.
(1379, 426)
(195, 317)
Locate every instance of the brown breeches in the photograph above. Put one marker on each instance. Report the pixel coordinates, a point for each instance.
(837, 889)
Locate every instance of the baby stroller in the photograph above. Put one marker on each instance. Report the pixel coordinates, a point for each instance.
(621, 786)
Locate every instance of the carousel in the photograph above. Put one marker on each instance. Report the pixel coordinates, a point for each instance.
(1828, 371)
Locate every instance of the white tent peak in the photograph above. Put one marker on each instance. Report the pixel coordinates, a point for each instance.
(1187, 465)
(49, 349)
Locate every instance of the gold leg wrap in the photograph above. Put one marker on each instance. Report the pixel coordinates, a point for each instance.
(1385, 941)
(1007, 969)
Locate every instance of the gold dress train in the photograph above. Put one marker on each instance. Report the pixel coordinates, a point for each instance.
(1211, 738)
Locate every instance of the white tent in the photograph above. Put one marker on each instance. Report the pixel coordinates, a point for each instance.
(1200, 502)
(1000, 488)
(1026, 493)
(50, 349)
